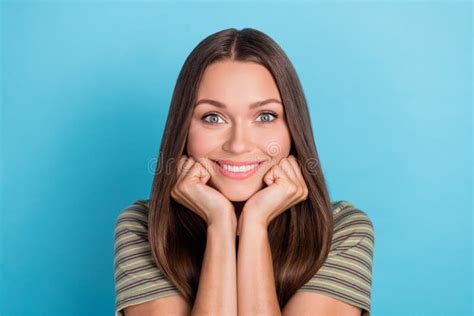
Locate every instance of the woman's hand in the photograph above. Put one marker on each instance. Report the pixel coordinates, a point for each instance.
(192, 191)
(285, 187)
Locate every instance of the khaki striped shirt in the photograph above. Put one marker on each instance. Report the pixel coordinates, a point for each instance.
(346, 274)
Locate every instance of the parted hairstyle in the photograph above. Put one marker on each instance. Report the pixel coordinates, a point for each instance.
(300, 237)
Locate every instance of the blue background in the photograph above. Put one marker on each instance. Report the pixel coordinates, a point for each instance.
(86, 88)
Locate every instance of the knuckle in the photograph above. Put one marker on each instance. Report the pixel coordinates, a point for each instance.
(305, 193)
(180, 187)
(173, 193)
(292, 189)
(184, 188)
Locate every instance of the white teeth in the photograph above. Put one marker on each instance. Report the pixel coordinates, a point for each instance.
(239, 168)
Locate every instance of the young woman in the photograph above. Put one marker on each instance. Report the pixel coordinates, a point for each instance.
(239, 220)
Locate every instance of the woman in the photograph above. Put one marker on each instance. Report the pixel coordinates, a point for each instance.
(239, 217)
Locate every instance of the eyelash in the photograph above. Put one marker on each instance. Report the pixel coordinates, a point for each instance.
(263, 122)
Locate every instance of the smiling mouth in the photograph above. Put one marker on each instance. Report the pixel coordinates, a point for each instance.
(238, 172)
(236, 163)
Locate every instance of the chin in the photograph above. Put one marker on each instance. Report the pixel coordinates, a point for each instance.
(239, 199)
(236, 195)
(238, 192)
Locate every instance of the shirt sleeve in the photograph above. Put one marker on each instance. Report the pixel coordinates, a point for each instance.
(346, 275)
(137, 278)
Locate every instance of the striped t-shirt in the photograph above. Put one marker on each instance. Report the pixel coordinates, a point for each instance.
(346, 274)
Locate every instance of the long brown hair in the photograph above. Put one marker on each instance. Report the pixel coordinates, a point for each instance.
(300, 237)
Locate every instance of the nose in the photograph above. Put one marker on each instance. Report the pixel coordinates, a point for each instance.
(238, 140)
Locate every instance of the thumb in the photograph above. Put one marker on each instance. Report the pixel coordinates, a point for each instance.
(208, 165)
(273, 175)
(198, 173)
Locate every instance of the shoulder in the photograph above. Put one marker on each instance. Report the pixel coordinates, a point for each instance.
(138, 278)
(351, 226)
(345, 211)
(131, 233)
(134, 217)
(346, 274)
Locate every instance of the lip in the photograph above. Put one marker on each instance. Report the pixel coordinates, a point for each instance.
(237, 175)
(238, 163)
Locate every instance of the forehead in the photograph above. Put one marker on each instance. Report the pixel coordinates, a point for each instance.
(228, 81)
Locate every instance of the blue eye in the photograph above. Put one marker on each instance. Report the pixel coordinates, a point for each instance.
(211, 115)
(215, 118)
(268, 113)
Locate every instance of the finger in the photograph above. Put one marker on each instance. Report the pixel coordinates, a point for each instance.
(186, 167)
(297, 167)
(275, 174)
(294, 162)
(179, 169)
(264, 167)
(181, 162)
(293, 180)
(208, 165)
(198, 173)
(288, 168)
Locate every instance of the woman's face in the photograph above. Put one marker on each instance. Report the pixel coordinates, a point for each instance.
(236, 131)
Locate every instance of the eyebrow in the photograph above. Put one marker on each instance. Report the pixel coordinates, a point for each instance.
(251, 106)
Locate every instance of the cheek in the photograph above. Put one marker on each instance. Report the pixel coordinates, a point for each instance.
(277, 144)
(199, 144)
